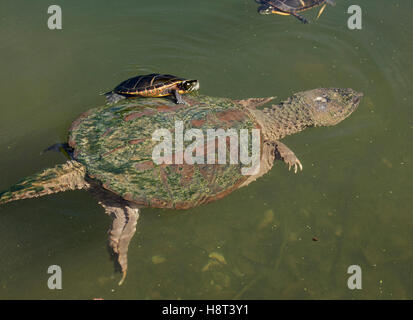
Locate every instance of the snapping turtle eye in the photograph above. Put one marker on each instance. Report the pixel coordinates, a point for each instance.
(320, 99)
(325, 96)
(321, 102)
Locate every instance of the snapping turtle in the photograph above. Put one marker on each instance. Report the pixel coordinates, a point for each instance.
(115, 152)
(291, 7)
(152, 85)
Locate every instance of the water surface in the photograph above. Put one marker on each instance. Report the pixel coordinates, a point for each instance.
(354, 194)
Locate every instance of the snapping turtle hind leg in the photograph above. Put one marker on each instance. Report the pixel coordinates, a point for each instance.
(125, 217)
(282, 152)
(120, 242)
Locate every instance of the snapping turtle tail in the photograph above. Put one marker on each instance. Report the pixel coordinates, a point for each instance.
(63, 177)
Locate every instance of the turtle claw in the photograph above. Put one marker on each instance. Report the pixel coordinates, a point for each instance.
(296, 165)
(282, 152)
(301, 166)
(123, 278)
(182, 102)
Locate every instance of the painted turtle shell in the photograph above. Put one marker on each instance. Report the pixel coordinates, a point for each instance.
(154, 85)
(115, 144)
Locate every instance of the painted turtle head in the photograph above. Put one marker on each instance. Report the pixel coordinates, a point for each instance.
(188, 85)
(265, 9)
(327, 107)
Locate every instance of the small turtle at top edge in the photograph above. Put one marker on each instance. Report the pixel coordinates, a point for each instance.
(291, 7)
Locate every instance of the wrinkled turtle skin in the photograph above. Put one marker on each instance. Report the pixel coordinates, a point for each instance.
(115, 144)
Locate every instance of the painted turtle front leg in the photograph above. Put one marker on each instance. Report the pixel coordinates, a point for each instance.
(282, 152)
(302, 19)
(178, 97)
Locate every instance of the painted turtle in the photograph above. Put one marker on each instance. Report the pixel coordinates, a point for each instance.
(152, 86)
(291, 7)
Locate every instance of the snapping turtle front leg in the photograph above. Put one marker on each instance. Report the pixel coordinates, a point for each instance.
(125, 217)
(282, 152)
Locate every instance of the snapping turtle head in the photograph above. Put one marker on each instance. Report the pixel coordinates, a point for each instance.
(328, 107)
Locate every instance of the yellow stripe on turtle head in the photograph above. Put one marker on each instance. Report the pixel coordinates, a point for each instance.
(281, 13)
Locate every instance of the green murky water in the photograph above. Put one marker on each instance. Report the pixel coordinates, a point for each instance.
(354, 195)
